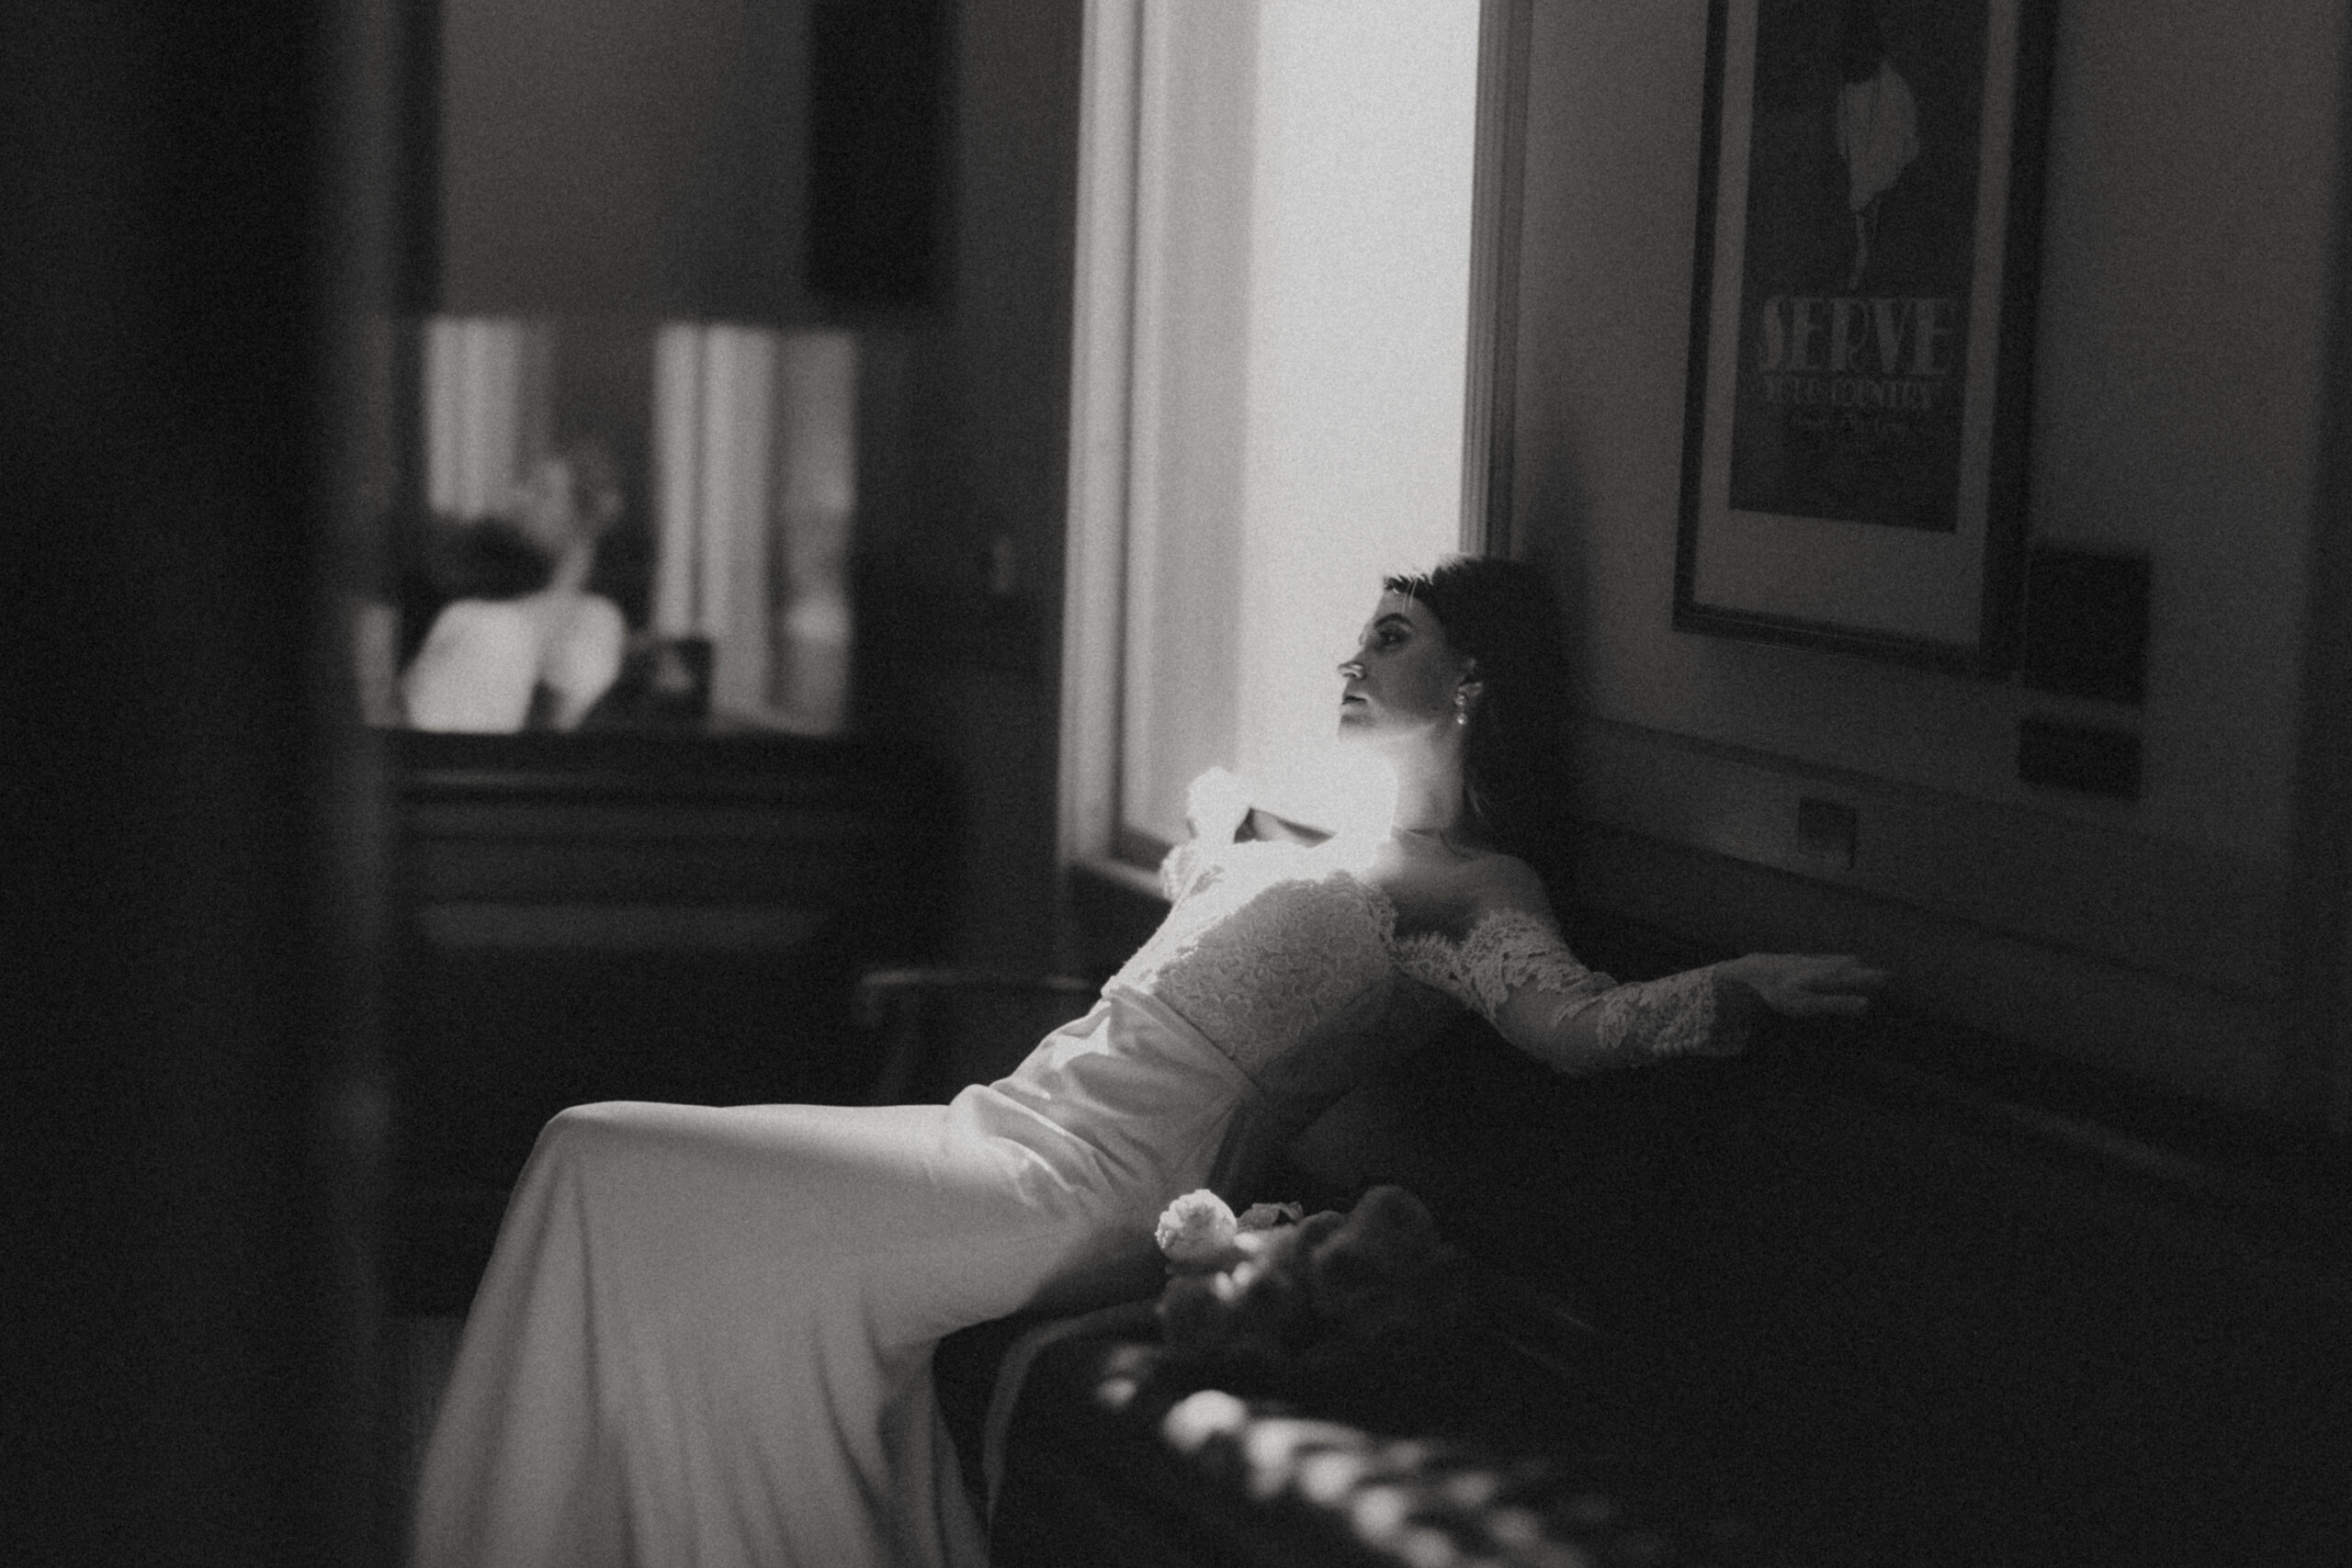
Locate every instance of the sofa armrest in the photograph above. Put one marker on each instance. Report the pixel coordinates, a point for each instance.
(1455, 1452)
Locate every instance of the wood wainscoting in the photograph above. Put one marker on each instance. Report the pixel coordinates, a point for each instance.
(2151, 959)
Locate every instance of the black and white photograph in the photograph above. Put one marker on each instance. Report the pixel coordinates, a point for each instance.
(1176, 783)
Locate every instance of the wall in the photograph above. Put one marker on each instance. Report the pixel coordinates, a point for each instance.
(196, 1116)
(963, 546)
(616, 155)
(2175, 406)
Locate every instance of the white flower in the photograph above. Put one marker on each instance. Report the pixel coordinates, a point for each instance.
(1196, 1230)
(1191, 1421)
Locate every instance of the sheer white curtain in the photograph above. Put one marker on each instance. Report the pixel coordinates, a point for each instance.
(489, 409)
(755, 491)
(1300, 175)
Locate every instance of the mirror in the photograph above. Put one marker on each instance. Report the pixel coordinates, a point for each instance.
(607, 523)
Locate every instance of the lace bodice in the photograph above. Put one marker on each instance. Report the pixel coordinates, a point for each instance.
(1290, 963)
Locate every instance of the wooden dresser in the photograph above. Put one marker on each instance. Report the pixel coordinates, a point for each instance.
(629, 917)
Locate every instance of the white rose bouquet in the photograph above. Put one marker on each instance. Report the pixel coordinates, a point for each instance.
(1269, 1283)
(1199, 1231)
(1196, 1231)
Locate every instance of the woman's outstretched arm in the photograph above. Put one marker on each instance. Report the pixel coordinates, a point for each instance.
(1514, 967)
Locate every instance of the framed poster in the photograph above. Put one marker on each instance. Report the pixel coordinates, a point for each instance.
(1854, 444)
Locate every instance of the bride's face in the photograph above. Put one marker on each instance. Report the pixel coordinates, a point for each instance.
(1404, 676)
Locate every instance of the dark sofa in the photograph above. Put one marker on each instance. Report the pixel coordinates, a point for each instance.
(1840, 1301)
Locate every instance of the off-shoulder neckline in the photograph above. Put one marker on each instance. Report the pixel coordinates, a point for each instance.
(1386, 916)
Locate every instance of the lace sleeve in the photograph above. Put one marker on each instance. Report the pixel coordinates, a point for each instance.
(1193, 865)
(1178, 867)
(1514, 970)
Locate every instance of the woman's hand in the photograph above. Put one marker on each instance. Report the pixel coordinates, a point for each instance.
(1801, 985)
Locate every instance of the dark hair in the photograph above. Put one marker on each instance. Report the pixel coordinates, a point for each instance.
(487, 558)
(1502, 615)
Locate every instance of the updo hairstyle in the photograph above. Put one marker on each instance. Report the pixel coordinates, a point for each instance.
(1500, 613)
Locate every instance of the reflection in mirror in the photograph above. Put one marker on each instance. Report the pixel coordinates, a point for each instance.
(611, 524)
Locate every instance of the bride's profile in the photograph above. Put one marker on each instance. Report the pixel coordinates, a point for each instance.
(705, 1334)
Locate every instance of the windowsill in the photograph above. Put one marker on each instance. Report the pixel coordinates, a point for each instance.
(1122, 877)
(1110, 908)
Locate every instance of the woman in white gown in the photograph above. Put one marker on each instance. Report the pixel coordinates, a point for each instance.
(537, 659)
(706, 1334)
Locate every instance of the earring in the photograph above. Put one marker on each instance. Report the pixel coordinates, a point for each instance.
(1461, 707)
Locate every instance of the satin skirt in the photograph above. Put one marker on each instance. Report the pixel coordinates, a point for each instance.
(705, 1335)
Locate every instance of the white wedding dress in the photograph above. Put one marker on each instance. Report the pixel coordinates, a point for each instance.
(705, 1335)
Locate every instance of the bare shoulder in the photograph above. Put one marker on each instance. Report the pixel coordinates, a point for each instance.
(1501, 884)
(1452, 892)
(599, 616)
(487, 626)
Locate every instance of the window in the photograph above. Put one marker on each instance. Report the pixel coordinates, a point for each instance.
(1271, 355)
